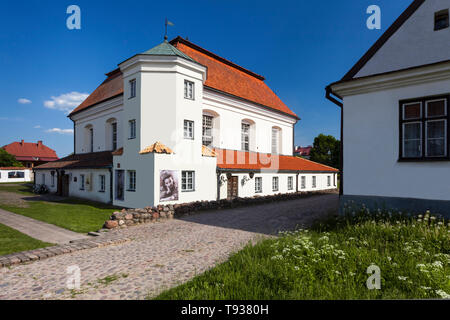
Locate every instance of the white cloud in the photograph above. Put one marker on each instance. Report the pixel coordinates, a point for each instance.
(24, 101)
(37, 127)
(60, 131)
(66, 102)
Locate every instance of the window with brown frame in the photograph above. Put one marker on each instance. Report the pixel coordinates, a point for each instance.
(424, 128)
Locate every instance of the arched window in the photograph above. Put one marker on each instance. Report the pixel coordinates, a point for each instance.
(210, 129)
(276, 140)
(89, 138)
(111, 134)
(247, 135)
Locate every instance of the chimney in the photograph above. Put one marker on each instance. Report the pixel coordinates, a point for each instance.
(39, 144)
(21, 142)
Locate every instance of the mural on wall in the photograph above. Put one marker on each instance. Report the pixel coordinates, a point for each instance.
(168, 190)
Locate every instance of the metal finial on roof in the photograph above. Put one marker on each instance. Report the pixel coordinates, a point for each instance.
(168, 23)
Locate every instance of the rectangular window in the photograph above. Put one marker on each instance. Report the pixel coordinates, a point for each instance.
(328, 181)
(290, 183)
(245, 136)
(303, 182)
(81, 182)
(91, 139)
(102, 182)
(189, 129)
(131, 180)
(114, 135)
(258, 184)
(275, 138)
(132, 126)
(187, 181)
(52, 174)
(314, 182)
(207, 138)
(274, 183)
(132, 88)
(15, 175)
(423, 129)
(441, 20)
(188, 89)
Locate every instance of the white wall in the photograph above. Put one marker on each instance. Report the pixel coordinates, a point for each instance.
(4, 176)
(91, 192)
(248, 188)
(98, 117)
(231, 113)
(371, 147)
(414, 44)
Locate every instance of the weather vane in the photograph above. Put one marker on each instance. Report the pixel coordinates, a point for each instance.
(168, 23)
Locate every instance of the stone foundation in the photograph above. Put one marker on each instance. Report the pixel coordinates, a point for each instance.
(130, 217)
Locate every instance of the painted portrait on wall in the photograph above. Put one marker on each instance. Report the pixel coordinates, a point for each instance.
(168, 190)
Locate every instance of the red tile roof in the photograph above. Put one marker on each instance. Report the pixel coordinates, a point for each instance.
(102, 159)
(241, 160)
(303, 151)
(24, 151)
(223, 75)
(110, 88)
(14, 168)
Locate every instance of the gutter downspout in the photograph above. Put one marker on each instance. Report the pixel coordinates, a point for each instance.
(328, 95)
(218, 184)
(111, 185)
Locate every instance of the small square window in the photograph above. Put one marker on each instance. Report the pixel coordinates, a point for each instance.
(314, 183)
(189, 129)
(188, 89)
(441, 20)
(258, 184)
(303, 180)
(275, 184)
(131, 180)
(290, 183)
(328, 181)
(132, 88)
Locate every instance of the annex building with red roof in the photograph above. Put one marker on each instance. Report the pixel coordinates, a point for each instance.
(31, 154)
(178, 123)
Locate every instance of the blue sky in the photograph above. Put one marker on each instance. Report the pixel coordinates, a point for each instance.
(299, 46)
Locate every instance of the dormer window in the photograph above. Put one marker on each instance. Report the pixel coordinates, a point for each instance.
(441, 20)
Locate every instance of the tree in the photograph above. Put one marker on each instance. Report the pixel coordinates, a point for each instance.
(326, 150)
(8, 160)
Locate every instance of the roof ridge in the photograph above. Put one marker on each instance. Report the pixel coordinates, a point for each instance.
(217, 57)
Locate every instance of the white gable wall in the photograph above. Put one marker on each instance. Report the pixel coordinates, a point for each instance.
(414, 44)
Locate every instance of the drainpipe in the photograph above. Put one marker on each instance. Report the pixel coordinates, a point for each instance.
(218, 185)
(110, 185)
(329, 93)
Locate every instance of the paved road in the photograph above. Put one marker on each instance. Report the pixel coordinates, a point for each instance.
(160, 255)
(38, 229)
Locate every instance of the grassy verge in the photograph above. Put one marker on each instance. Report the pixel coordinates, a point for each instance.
(331, 261)
(74, 214)
(14, 241)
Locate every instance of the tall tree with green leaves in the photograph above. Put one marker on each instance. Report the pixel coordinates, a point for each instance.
(8, 160)
(326, 150)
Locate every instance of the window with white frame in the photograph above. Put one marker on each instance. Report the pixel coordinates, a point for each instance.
(131, 180)
(132, 88)
(187, 180)
(274, 183)
(423, 128)
(132, 127)
(275, 140)
(207, 131)
(114, 135)
(258, 184)
(245, 136)
(290, 183)
(102, 183)
(188, 89)
(303, 182)
(328, 181)
(189, 129)
(81, 181)
(314, 181)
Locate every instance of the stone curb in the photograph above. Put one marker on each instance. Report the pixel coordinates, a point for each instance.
(72, 246)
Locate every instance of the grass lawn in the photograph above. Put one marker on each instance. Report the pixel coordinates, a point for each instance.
(74, 214)
(331, 262)
(12, 241)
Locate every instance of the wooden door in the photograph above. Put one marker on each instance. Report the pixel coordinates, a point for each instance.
(232, 187)
(65, 185)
